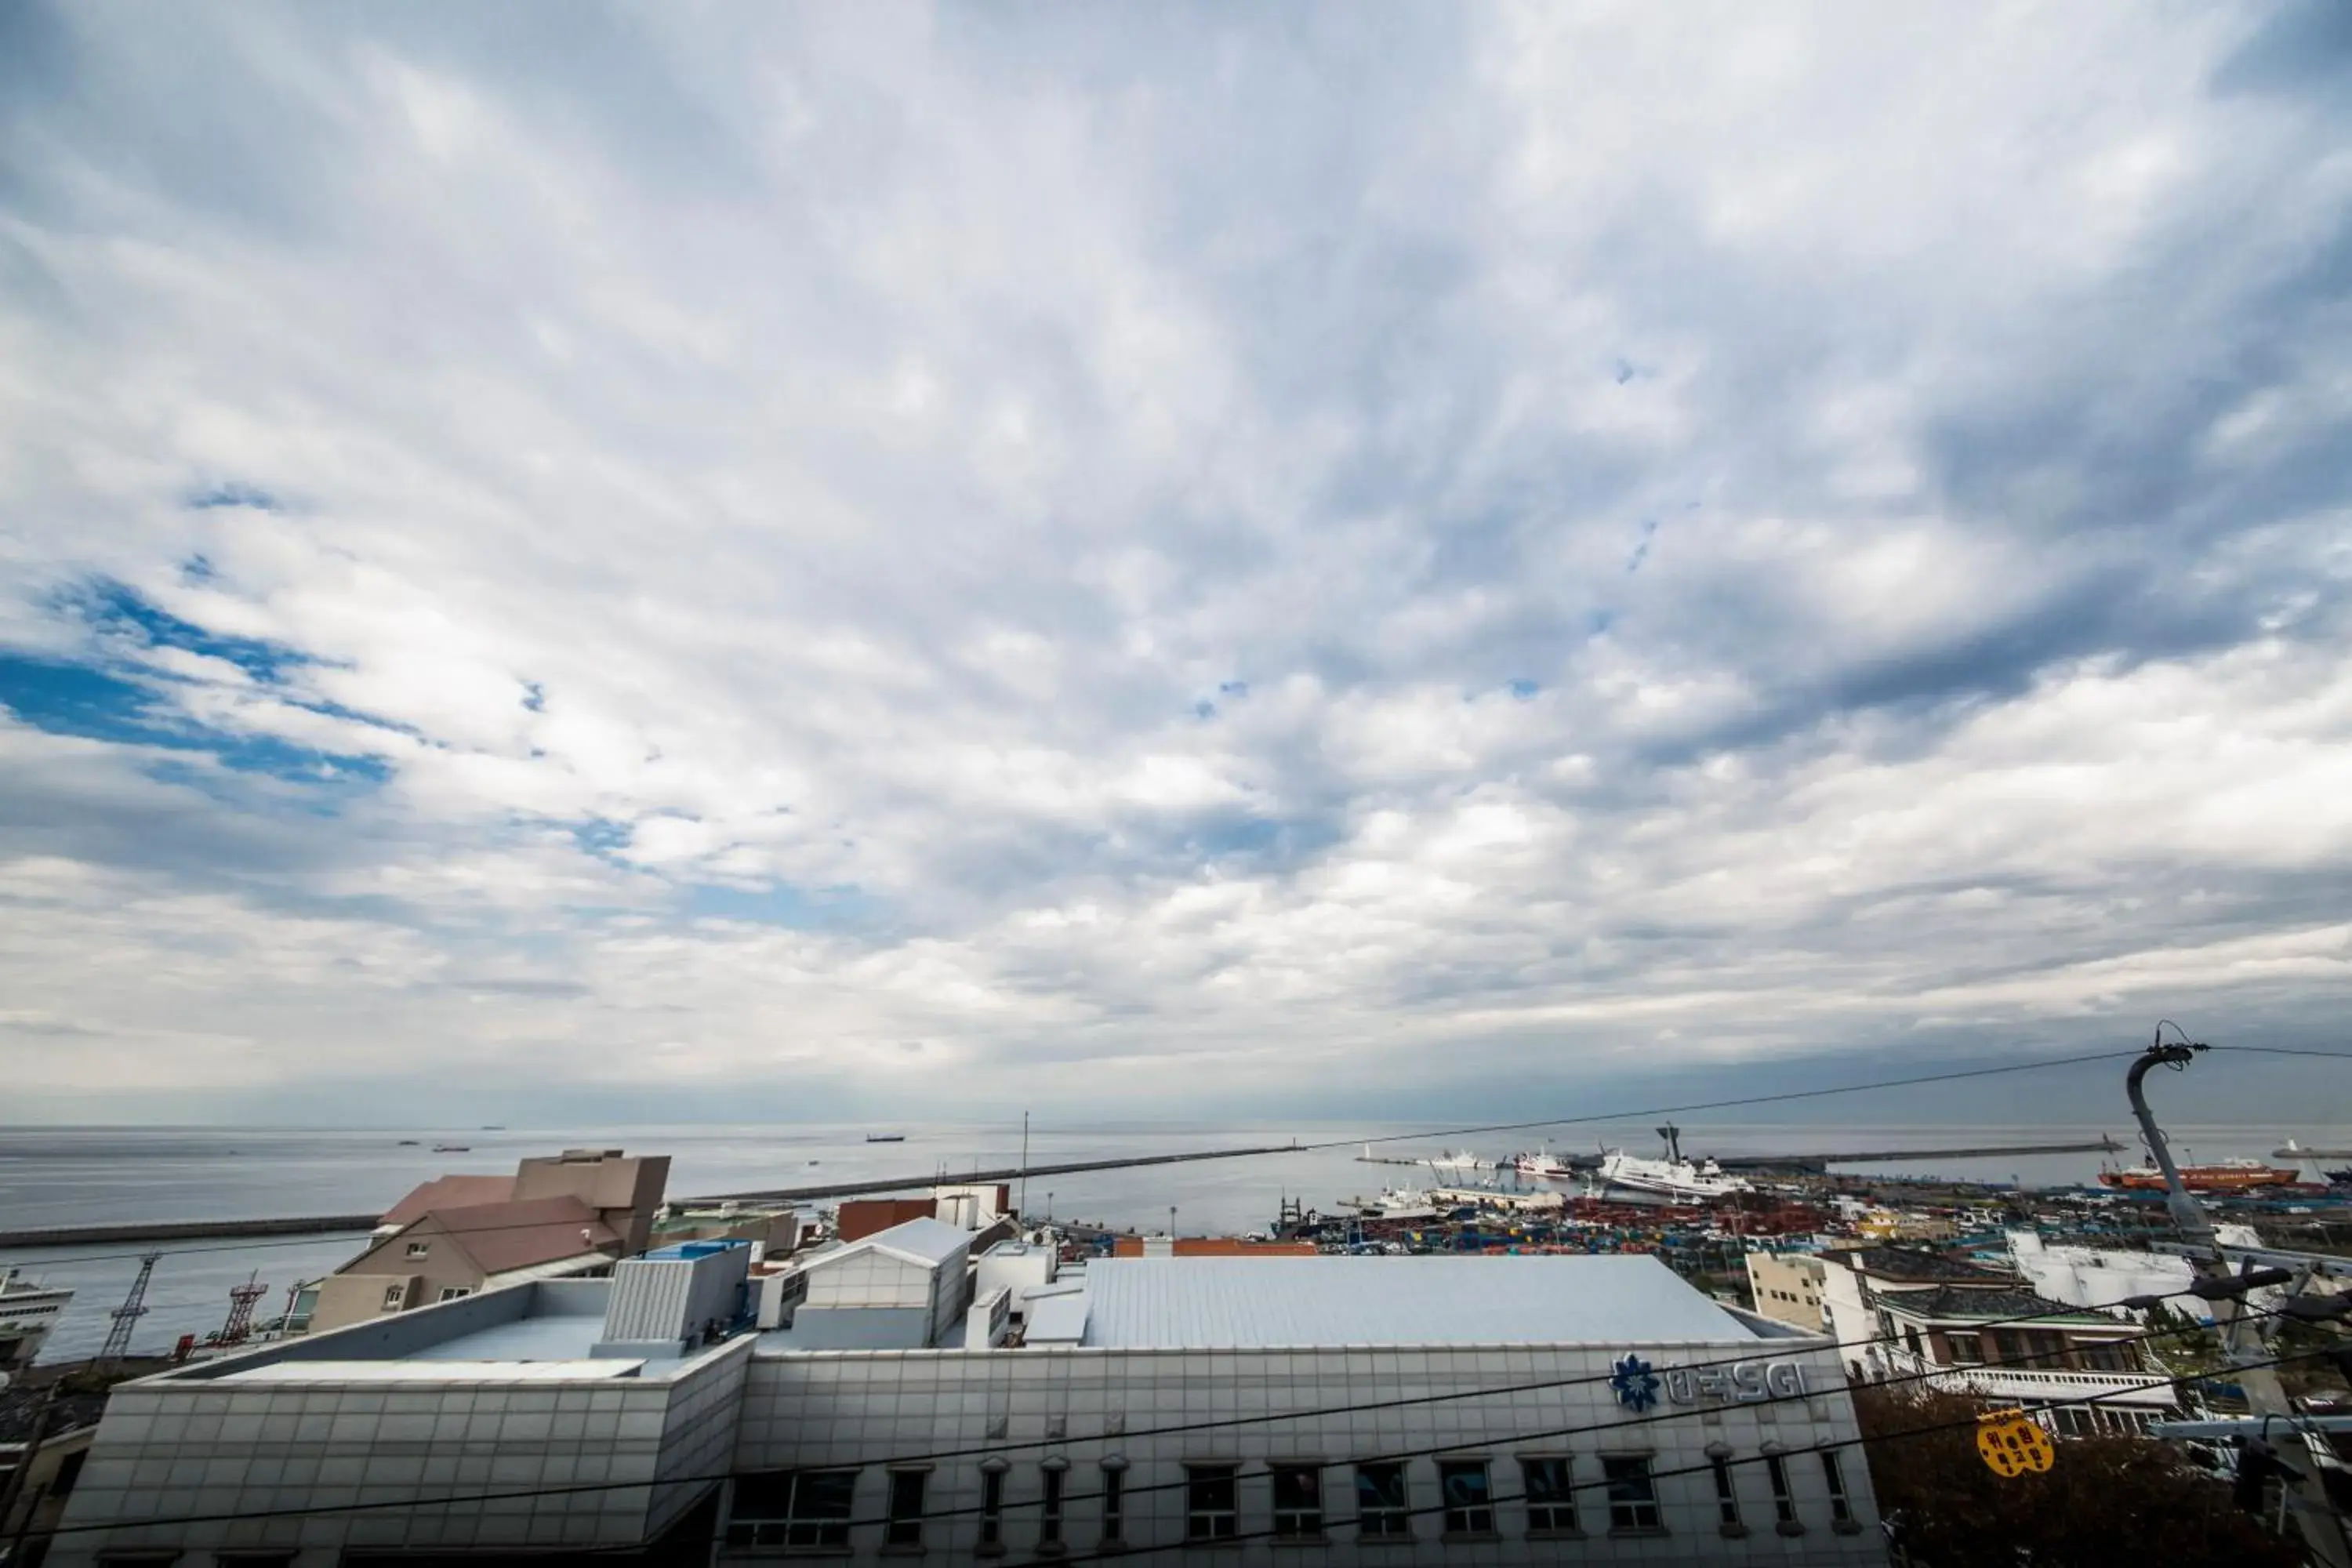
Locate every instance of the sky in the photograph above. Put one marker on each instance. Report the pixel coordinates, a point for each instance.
(769, 562)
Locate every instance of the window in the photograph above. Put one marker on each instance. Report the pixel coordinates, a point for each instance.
(802, 1510)
(1212, 1502)
(1967, 1350)
(455, 1292)
(1114, 1500)
(419, 1249)
(992, 1508)
(1297, 1502)
(1834, 1472)
(1469, 1507)
(1784, 1504)
(1380, 1506)
(904, 1525)
(2100, 1356)
(69, 1471)
(819, 1514)
(2074, 1422)
(1911, 1340)
(1551, 1494)
(1049, 1509)
(1726, 1495)
(1632, 1495)
(392, 1295)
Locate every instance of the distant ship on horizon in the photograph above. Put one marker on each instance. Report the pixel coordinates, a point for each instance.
(885, 1137)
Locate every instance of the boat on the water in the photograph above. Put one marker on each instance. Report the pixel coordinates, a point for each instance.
(885, 1137)
(28, 1311)
(1465, 1160)
(2214, 1176)
(1692, 1181)
(453, 1148)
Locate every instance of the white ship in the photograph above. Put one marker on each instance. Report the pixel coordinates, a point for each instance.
(1693, 1180)
(27, 1312)
(1542, 1163)
(1465, 1160)
(1398, 1203)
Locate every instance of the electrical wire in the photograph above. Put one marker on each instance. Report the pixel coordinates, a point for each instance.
(1615, 1425)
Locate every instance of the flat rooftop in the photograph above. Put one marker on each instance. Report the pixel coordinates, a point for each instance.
(1213, 1303)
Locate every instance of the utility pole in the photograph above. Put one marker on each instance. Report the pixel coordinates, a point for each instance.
(1024, 1167)
(127, 1316)
(2303, 1497)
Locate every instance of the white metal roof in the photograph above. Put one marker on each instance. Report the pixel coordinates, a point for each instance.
(1218, 1302)
(922, 1241)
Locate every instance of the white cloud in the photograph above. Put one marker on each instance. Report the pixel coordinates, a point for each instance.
(1150, 540)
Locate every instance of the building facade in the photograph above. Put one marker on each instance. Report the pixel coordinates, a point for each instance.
(1963, 1328)
(1786, 1286)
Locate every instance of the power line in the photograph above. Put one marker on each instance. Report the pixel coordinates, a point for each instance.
(1000, 1447)
(1737, 1101)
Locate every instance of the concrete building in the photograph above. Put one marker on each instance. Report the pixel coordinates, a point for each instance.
(1897, 1312)
(1389, 1410)
(1787, 1289)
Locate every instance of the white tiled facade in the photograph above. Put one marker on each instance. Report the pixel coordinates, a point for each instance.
(836, 1451)
(971, 1410)
(176, 1450)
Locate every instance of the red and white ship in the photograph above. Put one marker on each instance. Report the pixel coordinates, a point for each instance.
(2219, 1176)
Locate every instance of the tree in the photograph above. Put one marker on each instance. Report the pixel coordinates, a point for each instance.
(2106, 1501)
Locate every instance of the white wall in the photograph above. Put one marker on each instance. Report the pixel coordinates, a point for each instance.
(846, 1409)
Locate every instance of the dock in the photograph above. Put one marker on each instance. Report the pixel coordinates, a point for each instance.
(188, 1230)
(1818, 1162)
(975, 1178)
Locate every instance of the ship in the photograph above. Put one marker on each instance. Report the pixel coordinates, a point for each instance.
(2216, 1177)
(1690, 1181)
(885, 1137)
(1465, 1160)
(28, 1311)
(1399, 1203)
(1542, 1163)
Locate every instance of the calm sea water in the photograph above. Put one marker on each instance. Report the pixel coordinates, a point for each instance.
(94, 1175)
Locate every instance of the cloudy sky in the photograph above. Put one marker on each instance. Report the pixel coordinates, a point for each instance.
(756, 561)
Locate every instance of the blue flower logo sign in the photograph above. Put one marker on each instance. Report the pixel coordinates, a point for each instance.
(1633, 1383)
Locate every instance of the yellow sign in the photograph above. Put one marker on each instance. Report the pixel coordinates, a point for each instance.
(2012, 1443)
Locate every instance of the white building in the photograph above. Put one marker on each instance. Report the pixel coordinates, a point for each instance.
(1390, 1410)
(2098, 1277)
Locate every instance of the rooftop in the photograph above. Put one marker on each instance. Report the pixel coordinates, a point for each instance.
(1908, 1265)
(922, 1241)
(1196, 1303)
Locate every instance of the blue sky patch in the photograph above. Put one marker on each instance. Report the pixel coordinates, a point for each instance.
(781, 904)
(232, 494)
(115, 610)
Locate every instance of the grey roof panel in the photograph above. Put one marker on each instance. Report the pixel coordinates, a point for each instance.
(1221, 1302)
(932, 1240)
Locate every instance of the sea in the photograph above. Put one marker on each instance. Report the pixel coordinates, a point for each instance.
(91, 1175)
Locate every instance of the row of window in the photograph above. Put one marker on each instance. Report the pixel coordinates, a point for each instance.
(812, 1509)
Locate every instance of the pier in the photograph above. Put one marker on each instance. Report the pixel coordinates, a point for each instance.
(188, 1230)
(1819, 1163)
